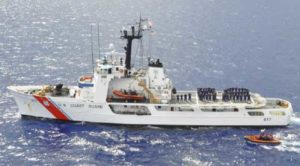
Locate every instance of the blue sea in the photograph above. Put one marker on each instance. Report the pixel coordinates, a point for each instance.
(202, 43)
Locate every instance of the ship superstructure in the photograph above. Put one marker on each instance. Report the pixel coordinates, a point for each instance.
(120, 94)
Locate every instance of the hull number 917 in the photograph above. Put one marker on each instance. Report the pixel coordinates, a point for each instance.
(267, 119)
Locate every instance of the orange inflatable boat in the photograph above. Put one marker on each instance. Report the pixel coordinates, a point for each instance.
(262, 139)
(127, 96)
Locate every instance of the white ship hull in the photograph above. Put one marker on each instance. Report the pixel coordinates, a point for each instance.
(72, 109)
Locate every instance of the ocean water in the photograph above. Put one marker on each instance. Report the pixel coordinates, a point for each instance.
(209, 43)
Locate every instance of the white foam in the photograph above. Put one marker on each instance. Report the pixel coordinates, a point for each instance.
(132, 149)
(295, 120)
(289, 143)
(11, 115)
(52, 67)
(32, 159)
(157, 141)
(136, 139)
(192, 161)
(114, 150)
(286, 148)
(220, 72)
(105, 134)
(19, 154)
(266, 147)
(154, 127)
(11, 147)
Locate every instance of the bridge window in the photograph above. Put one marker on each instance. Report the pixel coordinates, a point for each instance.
(277, 113)
(256, 113)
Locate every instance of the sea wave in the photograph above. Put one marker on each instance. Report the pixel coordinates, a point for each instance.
(115, 150)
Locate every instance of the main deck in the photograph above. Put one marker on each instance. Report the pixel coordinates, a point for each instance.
(181, 98)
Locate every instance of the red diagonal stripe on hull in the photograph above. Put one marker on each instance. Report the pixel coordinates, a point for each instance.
(51, 107)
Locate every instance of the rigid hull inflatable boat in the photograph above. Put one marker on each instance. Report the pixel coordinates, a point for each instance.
(116, 93)
(262, 139)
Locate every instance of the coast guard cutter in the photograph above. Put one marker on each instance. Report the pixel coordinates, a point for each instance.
(117, 93)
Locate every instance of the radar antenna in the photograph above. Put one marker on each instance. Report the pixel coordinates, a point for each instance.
(129, 36)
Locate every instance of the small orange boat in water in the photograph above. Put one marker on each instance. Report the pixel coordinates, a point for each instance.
(128, 95)
(263, 139)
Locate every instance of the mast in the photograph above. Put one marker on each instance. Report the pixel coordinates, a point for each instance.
(99, 41)
(129, 36)
(92, 48)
